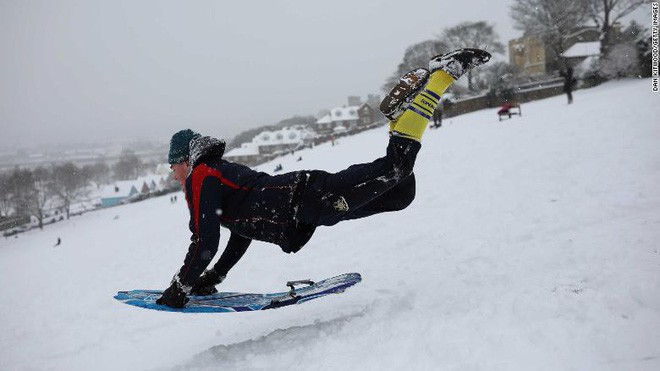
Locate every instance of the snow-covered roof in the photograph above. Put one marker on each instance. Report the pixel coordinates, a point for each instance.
(287, 136)
(283, 136)
(340, 114)
(120, 189)
(584, 49)
(307, 134)
(246, 149)
(325, 119)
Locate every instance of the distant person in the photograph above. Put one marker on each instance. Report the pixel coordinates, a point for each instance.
(286, 209)
(569, 83)
(437, 117)
(59, 242)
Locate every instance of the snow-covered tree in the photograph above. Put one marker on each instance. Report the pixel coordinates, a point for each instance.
(628, 54)
(98, 172)
(472, 35)
(501, 77)
(606, 13)
(127, 167)
(19, 188)
(621, 61)
(68, 185)
(5, 196)
(41, 194)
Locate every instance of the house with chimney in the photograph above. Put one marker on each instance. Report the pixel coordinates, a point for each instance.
(270, 143)
(345, 119)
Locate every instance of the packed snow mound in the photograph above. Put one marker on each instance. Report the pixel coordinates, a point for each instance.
(532, 245)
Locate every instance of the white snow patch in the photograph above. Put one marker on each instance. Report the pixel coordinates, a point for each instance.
(532, 245)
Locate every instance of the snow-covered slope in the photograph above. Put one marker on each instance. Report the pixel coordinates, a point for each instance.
(532, 245)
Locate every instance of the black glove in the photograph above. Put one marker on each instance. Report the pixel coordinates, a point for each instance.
(205, 284)
(173, 296)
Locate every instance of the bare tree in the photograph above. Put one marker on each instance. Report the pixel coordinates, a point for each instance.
(41, 195)
(472, 35)
(20, 188)
(606, 13)
(501, 77)
(416, 56)
(68, 185)
(127, 167)
(5, 195)
(98, 172)
(553, 21)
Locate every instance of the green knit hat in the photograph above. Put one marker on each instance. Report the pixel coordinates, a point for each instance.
(180, 146)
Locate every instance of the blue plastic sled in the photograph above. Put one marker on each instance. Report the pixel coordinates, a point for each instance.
(240, 302)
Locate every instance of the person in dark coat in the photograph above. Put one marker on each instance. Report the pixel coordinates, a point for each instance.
(286, 209)
(569, 83)
(437, 117)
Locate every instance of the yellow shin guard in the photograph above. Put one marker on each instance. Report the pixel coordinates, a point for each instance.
(392, 126)
(415, 119)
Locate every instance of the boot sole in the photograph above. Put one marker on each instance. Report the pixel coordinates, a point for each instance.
(402, 94)
(466, 58)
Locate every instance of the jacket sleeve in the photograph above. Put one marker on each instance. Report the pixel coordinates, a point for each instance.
(236, 247)
(204, 202)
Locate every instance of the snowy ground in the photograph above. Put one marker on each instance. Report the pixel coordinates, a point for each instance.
(532, 245)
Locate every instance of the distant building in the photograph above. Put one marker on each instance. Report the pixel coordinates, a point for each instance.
(247, 154)
(342, 119)
(283, 140)
(164, 177)
(528, 54)
(115, 194)
(269, 143)
(151, 183)
(580, 51)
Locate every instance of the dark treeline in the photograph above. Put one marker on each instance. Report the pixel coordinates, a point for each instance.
(37, 192)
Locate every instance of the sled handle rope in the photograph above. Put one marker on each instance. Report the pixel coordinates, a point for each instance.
(293, 284)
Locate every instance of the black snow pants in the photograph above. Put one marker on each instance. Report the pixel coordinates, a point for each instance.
(386, 184)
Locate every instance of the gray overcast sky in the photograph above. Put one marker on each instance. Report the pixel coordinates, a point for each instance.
(83, 71)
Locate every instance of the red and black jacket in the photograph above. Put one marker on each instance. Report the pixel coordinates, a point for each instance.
(251, 204)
